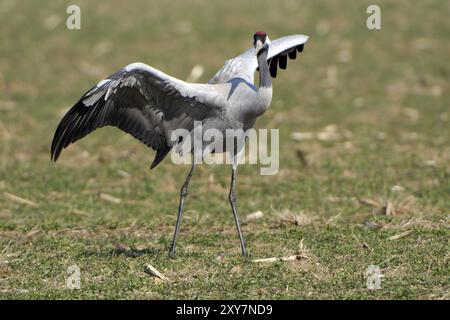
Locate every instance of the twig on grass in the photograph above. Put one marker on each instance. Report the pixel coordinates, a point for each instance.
(20, 200)
(254, 216)
(289, 258)
(109, 198)
(400, 235)
(151, 270)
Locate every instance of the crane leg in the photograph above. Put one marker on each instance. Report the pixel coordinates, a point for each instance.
(233, 198)
(183, 194)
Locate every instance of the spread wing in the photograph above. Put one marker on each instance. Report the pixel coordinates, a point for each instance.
(245, 65)
(141, 101)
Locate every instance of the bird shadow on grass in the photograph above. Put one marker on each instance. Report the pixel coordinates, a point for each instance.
(134, 252)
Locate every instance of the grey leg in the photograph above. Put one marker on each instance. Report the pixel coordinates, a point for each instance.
(232, 197)
(183, 194)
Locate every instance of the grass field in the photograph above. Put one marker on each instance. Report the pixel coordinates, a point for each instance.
(369, 186)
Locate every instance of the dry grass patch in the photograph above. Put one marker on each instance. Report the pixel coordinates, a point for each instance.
(288, 217)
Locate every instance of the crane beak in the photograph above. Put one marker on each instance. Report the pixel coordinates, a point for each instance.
(258, 46)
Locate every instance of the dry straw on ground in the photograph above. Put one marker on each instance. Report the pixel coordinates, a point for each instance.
(151, 270)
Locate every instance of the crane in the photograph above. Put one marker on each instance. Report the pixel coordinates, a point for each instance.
(149, 105)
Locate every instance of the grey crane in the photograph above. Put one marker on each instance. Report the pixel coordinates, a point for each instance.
(149, 104)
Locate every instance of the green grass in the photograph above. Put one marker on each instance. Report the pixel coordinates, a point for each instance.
(386, 92)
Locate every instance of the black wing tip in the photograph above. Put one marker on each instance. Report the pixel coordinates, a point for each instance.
(54, 156)
(160, 155)
(57, 146)
(154, 163)
(280, 60)
(64, 132)
(55, 150)
(273, 66)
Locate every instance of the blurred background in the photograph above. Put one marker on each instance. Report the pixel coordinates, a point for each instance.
(364, 145)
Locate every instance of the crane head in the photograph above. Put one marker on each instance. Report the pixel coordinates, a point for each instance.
(260, 41)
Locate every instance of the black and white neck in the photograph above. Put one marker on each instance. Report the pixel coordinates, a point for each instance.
(265, 80)
(264, 75)
(261, 44)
